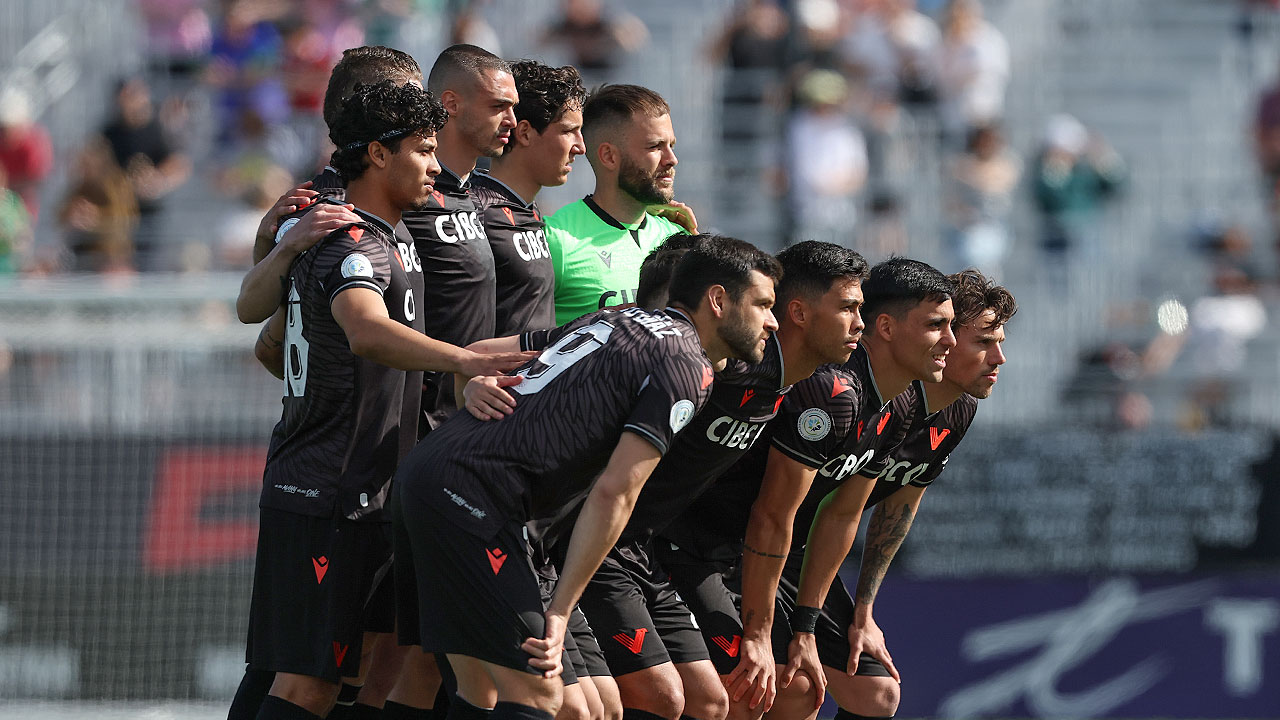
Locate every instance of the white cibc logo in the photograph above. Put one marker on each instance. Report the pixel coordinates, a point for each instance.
(357, 265)
(410, 310)
(681, 414)
(814, 424)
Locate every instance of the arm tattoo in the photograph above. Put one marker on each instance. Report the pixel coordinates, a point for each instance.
(884, 536)
(267, 339)
(761, 553)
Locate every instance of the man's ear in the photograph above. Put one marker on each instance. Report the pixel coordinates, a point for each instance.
(379, 154)
(609, 155)
(797, 311)
(883, 326)
(451, 101)
(524, 133)
(717, 300)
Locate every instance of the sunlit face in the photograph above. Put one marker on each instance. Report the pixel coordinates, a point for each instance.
(486, 113)
(974, 363)
(412, 172)
(834, 324)
(748, 321)
(647, 169)
(922, 339)
(552, 151)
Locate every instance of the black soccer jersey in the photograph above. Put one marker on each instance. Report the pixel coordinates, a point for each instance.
(923, 453)
(457, 263)
(833, 421)
(526, 280)
(744, 399)
(602, 374)
(347, 421)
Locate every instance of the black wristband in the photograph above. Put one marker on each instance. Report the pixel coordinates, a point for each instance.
(804, 619)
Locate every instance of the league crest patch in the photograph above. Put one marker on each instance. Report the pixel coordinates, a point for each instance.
(284, 228)
(814, 424)
(681, 414)
(357, 265)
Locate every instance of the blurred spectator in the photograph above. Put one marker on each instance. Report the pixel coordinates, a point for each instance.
(1075, 174)
(26, 153)
(827, 161)
(1266, 142)
(594, 41)
(234, 241)
(154, 169)
(470, 28)
(15, 229)
(178, 35)
(893, 45)
(885, 233)
(258, 149)
(100, 212)
(246, 67)
(753, 45)
(980, 199)
(972, 67)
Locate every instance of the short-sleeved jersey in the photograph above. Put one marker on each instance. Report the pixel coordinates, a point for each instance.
(526, 282)
(596, 258)
(347, 421)
(457, 264)
(923, 453)
(744, 398)
(603, 374)
(833, 421)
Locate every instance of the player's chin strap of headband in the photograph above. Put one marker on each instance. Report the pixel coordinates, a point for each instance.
(381, 138)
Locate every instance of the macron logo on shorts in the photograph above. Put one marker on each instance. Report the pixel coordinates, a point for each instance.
(496, 558)
(339, 652)
(730, 647)
(634, 644)
(322, 566)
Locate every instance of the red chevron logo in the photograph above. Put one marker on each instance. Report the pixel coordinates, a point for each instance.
(510, 218)
(356, 233)
(778, 404)
(322, 566)
(707, 377)
(339, 652)
(884, 420)
(634, 644)
(839, 386)
(936, 437)
(730, 648)
(496, 558)
(746, 395)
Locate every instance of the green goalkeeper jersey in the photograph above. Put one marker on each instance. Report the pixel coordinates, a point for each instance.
(596, 258)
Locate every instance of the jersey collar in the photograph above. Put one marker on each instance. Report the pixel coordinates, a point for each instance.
(377, 220)
(609, 219)
(456, 181)
(503, 186)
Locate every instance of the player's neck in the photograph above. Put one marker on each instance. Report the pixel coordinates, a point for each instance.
(618, 203)
(715, 348)
(366, 195)
(509, 172)
(940, 395)
(798, 362)
(453, 153)
(891, 379)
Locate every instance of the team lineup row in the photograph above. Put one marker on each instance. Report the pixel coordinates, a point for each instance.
(641, 512)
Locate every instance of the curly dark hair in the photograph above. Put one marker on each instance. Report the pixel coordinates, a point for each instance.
(975, 294)
(367, 64)
(385, 113)
(546, 92)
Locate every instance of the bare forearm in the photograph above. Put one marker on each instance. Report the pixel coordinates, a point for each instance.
(269, 349)
(763, 555)
(830, 538)
(264, 285)
(888, 528)
(389, 343)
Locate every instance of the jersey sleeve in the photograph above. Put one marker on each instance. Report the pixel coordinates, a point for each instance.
(675, 390)
(344, 262)
(956, 420)
(817, 416)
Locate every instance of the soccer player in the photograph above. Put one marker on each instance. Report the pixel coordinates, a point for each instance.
(860, 671)
(595, 413)
(546, 139)
(656, 653)
(354, 348)
(598, 243)
(829, 426)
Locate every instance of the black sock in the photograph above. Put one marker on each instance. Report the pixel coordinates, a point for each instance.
(460, 709)
(346, 698)
(842, 714)
(396, 711)
(360, 711)
(634, 714)
(444, 696)
(254, 686)
(515, 711)
(274, 708)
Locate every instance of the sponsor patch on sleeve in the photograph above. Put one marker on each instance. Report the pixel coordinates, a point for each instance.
(814, 424)
(357, 265)
(681, 414)
(284, 228)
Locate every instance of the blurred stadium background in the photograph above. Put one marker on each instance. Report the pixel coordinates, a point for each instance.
(1106, 544)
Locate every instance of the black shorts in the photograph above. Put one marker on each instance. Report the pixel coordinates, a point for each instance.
(589, 652)
(637, 615)
(575, 667)
(458, 594)
(832, 630)
(712, 590)
(313, 582)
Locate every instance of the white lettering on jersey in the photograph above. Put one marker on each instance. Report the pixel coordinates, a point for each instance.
(843, 466)
(734, 433)
(531, 245)
(659, 325)
(909, 473)
(296, 347)
(409, 253)
(410, 309)
(452, 228)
